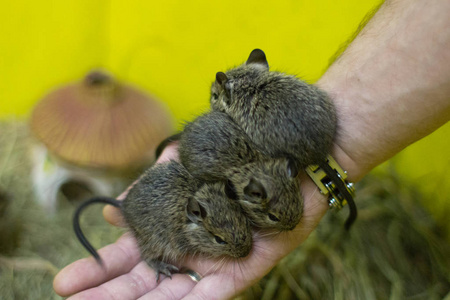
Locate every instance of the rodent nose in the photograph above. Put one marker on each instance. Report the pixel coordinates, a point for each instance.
(292, 227)
(288, 226)
(244, 251)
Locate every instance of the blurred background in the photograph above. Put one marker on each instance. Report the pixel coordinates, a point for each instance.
(170, 51)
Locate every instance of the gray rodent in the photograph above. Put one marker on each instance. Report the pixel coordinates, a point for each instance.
(281, 114)
(213, 147)
(213, 143)
(268, 193)
(171, 216)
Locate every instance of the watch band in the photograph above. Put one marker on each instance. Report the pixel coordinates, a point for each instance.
(330, 178)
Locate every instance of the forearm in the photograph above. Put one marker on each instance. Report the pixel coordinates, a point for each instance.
(391, 86)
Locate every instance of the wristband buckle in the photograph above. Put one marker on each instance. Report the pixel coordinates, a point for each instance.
(326, 185)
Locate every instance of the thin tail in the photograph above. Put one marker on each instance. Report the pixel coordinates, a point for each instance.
(351, 204)
(166, 142)
(76, 223)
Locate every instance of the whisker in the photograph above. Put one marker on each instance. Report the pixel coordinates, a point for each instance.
(243, 277)
(260, 249)
(212, 267)
(220, 264)
(263, 234)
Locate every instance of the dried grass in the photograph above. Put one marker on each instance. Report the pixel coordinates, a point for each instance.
(33, 244)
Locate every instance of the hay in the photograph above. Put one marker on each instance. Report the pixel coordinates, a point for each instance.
(33, 244)
(395, 250)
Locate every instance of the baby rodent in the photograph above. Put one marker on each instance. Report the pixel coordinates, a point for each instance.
(212, 144)
(268, 193)
(213, 147)
(281, 114)
(172, 216)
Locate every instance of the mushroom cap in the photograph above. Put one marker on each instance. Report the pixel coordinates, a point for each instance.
(101, 123)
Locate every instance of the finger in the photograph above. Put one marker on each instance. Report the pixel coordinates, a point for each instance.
(171, 289)
(169, 153)
(139, 281)
(225, 277)
(223, 281)
(216, 286)
(118, 258)
(233, 277)
(112, 214)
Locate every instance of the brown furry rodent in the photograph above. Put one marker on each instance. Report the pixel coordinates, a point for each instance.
(172, 216)
(213, 147)
(268, 193)
(284, 116)
(212, 144)
(280, 115)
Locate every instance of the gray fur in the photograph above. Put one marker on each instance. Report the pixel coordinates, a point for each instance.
(158, 210)
(213, 148)
(214, 143)
(281, 114)
(268, 187)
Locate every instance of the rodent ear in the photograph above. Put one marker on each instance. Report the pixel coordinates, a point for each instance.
(258, 57)
(195, 211)
(230, 190)
(255, 189)
(221, 78)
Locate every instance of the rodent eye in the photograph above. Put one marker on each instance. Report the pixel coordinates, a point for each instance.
(256, 194)
(219, 240)
(215, 96)
(273, 218)
(292, 169)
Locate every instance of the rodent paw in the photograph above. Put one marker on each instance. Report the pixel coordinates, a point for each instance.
(162, 267)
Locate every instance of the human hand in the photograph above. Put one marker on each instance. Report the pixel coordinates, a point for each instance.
(126, 276)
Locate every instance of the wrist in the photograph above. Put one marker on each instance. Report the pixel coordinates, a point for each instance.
(391, 85)
(355, 146)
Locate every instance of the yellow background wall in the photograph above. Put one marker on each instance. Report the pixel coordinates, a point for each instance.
(173, 49)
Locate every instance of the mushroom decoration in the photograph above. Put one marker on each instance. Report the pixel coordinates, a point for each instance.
(92, 131)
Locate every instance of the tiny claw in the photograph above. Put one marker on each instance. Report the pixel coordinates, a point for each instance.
(162, 267)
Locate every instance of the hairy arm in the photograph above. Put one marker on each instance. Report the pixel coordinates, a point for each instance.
(392, 84)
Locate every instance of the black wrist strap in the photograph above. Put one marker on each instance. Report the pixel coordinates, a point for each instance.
(331, 181)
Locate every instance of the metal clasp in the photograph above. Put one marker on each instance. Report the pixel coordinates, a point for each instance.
(327, 187)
